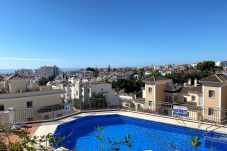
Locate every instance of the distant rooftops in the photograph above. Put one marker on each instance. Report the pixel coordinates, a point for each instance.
(153, 79)
(1, 78)
(17, 77)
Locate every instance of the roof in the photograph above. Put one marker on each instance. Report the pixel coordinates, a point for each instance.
(175, 89)
(139, 100)
(221, 78)
(1, 78)
(17, 77)
(192, 89)
(154, 79)
(214, 80)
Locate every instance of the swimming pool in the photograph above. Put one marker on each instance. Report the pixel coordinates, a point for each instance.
(82, 135)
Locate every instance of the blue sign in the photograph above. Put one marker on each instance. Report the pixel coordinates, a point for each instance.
(180, 111)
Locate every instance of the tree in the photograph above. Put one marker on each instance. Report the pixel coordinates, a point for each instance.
(109, 69)
(183, 76)
(113, 145)
(24, 142)
(98, 100)
(90, 69)
(129, 85)
(195, 142)
(96, 72)
(141, 73)
(206, 66)
(43, 81)
(76, 103)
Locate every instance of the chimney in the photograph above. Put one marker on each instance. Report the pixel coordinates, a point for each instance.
(189, 82)
(195, 82)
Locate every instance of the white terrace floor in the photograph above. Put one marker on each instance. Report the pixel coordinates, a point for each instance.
(50, 127)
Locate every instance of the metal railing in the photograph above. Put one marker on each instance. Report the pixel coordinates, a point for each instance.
(195, 113)
(44, 113)
(48, 113)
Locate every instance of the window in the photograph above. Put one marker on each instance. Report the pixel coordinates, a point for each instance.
(30, 119)
(211, 94)
(29, 104)
(1, 107)
(185, 99)
(210, 111)
(149, 90)
(101, 89)
(77, 92)
(193, 98)
(150, 103)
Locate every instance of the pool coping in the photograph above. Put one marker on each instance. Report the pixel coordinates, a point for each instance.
(50, 127)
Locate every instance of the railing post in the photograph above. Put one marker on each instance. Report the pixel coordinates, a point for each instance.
(53, 112)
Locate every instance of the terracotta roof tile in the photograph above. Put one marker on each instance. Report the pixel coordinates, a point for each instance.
(17, 77)
(153, 79)
(219, 78)
(192, 89)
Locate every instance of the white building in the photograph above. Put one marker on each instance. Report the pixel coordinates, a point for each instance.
(106, 89)
(84, 90)
(29, 101)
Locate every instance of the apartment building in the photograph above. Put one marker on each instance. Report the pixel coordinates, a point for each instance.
(28, 101)
(191, 94)
(24, 72)
(48, 71)
(76, 89)
(16, 84)
(84, 90)
(204, 101)
(154, 91)
(214, 90)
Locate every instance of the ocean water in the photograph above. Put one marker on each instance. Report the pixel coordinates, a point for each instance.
(81, 135)
(7, 71)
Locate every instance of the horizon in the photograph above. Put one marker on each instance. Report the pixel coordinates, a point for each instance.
(96, 33)
(142, 66)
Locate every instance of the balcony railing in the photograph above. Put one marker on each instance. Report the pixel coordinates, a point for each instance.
(195, 113)
(36, 114)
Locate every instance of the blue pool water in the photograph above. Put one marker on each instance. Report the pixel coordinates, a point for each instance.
(81, 135)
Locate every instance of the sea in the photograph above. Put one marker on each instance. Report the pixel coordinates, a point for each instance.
(12, 71)
(7, 71)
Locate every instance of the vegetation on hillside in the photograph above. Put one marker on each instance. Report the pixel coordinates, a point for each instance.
(43, 81)
(90, 69)
(206, 66)
(128, 86)
(203, 69)
(94, 70)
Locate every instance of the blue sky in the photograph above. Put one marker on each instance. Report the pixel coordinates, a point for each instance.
(81, 33)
